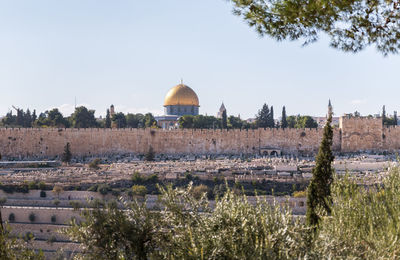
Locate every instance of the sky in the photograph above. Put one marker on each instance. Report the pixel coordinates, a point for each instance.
(130, 53)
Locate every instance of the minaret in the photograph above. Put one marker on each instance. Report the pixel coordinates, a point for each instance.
(221, 110)
(112, 111)
(330, 109)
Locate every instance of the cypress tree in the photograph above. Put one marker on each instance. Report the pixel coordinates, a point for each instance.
(67, 155)
(383, 114)
(271, 120)
(319, 189)
(284, 123)
(224, 120)
(107, 123)
(395, 118)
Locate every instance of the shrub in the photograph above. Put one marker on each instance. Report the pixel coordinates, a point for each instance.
(43, 194)
(94, 165)
(93, 188)
(42, 185)
(28, 236)
(103, 189)
(11, 217)
(149, 156)
(300, 194)
(32, 185)
(32, 217)
(56, 203)
(52, 239)
(139, 190)
(57, 190)
(53, 219)
(198, 191)
(75, 204)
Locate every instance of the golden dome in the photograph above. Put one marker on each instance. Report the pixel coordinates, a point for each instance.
(181, 95)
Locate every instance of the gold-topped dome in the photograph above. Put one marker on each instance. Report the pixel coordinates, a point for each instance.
(181, 95)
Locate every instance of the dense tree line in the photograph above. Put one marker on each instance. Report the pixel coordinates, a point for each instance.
(211, 122)
(81, 118)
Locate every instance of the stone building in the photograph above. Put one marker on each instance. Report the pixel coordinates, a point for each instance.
(221, 110)
(180, 100)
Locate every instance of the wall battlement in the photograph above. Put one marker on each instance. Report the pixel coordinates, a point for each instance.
(354, 134)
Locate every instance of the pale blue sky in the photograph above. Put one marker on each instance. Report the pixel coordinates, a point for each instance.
(130, 53)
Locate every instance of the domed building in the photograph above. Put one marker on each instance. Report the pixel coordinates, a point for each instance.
(180, 100)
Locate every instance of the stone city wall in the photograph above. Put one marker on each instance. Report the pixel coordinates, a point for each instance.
(353, 135)
(46, 143)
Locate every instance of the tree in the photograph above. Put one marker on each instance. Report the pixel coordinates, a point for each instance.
(67, 155)
(284, 123)
(139, 190)
(351, 25)
(112, 233)
(383, 114)
(271, 120)
(107, 123)
(149, 156)
(224, 121)
(119, 120)
(263, 116)
(57, 190)
(83, 118)
(394, 119)
(319, 189)
(149, 120)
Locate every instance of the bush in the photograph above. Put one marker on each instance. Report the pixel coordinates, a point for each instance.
(11, 217)
(42, 185)
(139, 190)
(52, 239)
(75, 204)
(103, 189)
(149, 156)
(43, 194)
(300, 194)
(32, 217)
(93, 188)
(53, 219)
(94, 165)
(198, 191)
(32, 185)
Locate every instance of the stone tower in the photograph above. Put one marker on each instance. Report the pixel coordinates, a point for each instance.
(221, 110)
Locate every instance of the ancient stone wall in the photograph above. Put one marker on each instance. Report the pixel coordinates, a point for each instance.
(46, 143)
(361, 134)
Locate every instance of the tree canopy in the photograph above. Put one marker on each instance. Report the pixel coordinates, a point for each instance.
(351, 25)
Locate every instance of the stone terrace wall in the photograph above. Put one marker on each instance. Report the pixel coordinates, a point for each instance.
(45, 143)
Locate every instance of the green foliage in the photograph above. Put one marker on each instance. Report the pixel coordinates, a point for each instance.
(224, 120)
(107, 122)
(265, 117)
(199, 122)
(149, 120)
(364, 223)
(301, 122)
(112, 233)
(83, 118)
(75, 205)
(52, 118)
(139, 190)
(199, 191)
(149, 156)
(351, 25)
(11, 217)
(43, 194)
(67, 155)
(319, 190)
(103, 189)
(94, 164)
(119, 120)
(284, 123)
(42, 185)
(32, 217)
(56, 202)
